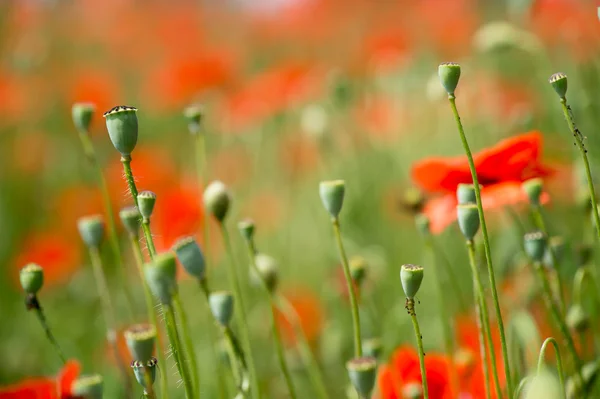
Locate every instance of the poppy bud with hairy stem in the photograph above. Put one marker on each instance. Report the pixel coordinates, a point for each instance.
(423, 224)
(82, 114)
(221, 306)
(465, 194)
(535, 245)
(577, 318)
(193, 114)
(88, 387)
(122, 126)
(533, 188)
(411, 277)
(190, 256)
(332, 196)
(372, 347)
(268, 271)
(161, 276)
(146, 200)
(217, 199)
(449, 73)
(246, 228)
(140, 369)
(358, 269)
(91, 229)
(559, 84)
(468, 220)
(130, 217)
(362, 372)
(140, 339)
(32, 278)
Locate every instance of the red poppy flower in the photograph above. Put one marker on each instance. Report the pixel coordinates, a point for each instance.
(309, 311)
(44, 387)
(500, 170)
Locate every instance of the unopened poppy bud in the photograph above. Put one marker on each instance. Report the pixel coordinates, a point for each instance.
(423, 224)
(221, 306)
(468, 220)
(411, 277)
(577, 318)
(82, 114)
(88, 387)
(193, 114)
(559, 83)
(91, 230)
(268, 271)
(145, 370)
(465, 194)
(130, 217)
(32, 278)
(535, 245)
(146, 201)
(332, 196)
(190, 256)
(449, 73)
(217, 199)
(533, 188)
(246, 228)
(122, 126)
(412, 390)
(358, 269)
(372, 347)
(161, 275)
(140, 339)
(543, 385)
(362, 372)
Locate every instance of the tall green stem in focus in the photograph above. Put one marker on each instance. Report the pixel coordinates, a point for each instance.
(188, 344)
(410, 307)
(350, 285)
(486, 242)
(559, 366)
(176, 348)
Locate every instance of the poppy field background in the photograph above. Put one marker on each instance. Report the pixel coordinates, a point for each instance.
(293, 93)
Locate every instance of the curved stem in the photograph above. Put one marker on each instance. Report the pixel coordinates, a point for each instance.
(486, 243)
(176, 348)
(350, 286)
(410, 307)
(187, 343)
(485, 328)
(520, 387)
(239, 367)
(33, 303)
(559, 365)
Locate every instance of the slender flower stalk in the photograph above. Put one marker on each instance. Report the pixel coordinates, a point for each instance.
(187, 342)
(449, 76)
(175, 340)
(482, 343)
(410, 307)
(559, 365)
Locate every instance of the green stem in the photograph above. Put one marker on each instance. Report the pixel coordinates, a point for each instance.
(482, 345)
(410, 307)
(188, 344)
(481, 304)
(109, 314)
(239, 367)
(486, 243)
(176, 348)
(559, 366)
(149, 390)
(350, 285)
(139, 262)
(241, 314)
(42, 318)
(148, 237)
(579, 141)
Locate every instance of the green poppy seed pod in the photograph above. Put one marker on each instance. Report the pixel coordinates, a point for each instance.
(535, 245)
(190, 256)
(533, 188)
(32, 278)
(449, 73)
(559, 83)
(468, 220)
(140, 369)
(332, 196)
(358, 269)
(140, 340)
(577, 318)
(194, 114)
(268, 271)
(544, 385)
(88, 387)
(221, 306)
(130, 217)
(82, 114)
(247, 228)
(91, 230)
(217, 199)
(161, 275)
(122, 126)
(362, 372)
(372, 347)
(146, 201)
(423, 224)
(412, 390)
(411, 277)
(465, 194)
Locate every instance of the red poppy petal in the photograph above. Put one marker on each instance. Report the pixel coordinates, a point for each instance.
(386, 384)
(441, 212)
(38, 388)
(68, 374)
(441, 174)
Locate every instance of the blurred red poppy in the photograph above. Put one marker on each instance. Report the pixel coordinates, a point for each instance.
(44, 387)
(500, 170)
(310, 314)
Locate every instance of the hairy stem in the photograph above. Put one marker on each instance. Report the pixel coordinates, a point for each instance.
(189, 352)
(176, 348)
(410, 307)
